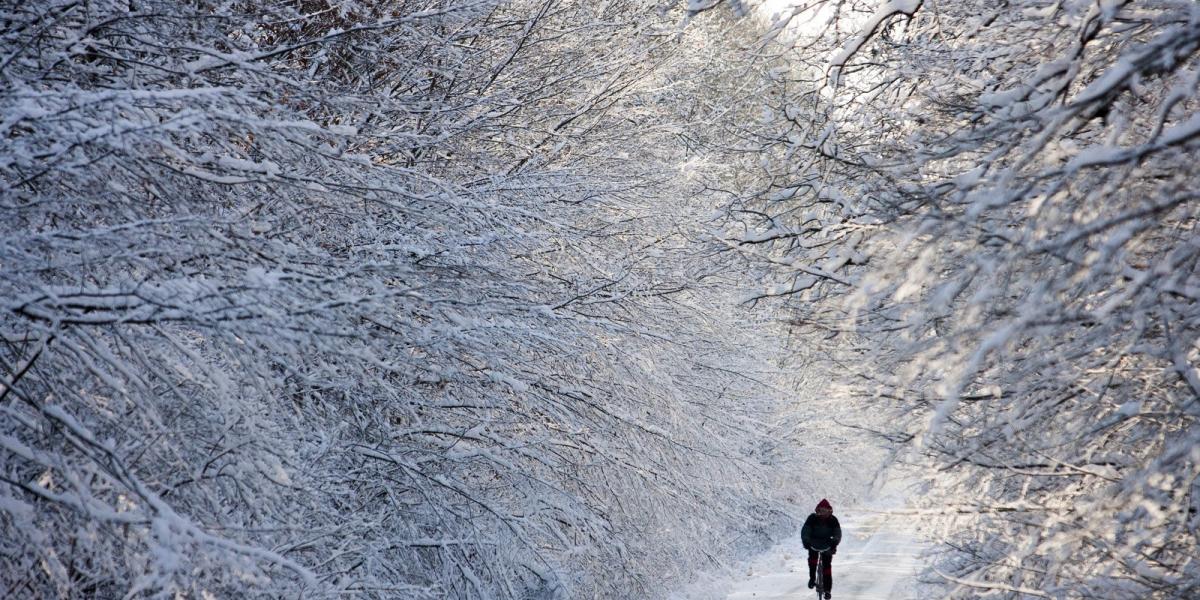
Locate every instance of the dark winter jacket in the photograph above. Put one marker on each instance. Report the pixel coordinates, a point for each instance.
(821, 532)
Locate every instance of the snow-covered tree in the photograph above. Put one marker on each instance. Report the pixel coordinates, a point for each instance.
(994, 203)
(366, 298)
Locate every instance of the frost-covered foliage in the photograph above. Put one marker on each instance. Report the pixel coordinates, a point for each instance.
(1000, 200)
(357, 298)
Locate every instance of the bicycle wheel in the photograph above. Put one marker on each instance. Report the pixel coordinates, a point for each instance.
(820, 578)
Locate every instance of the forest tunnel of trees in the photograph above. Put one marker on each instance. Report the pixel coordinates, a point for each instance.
(540, 299)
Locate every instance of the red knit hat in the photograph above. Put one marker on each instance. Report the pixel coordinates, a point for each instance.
(824, 504)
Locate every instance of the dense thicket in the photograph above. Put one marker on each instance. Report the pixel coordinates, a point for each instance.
(428, 299)
(995, 204)
(308, 299)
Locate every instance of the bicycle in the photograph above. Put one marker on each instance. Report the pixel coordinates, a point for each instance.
(820, 575)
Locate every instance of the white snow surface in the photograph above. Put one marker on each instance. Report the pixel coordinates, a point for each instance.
(880, 558)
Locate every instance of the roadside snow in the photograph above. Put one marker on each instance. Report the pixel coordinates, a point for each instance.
(879, 559)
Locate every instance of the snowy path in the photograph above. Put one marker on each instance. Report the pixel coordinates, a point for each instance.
(878, 560)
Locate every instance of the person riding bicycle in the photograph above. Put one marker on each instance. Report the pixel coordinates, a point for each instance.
(822, 532)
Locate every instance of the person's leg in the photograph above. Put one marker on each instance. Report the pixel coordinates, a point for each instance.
(827, 572)
(812, 569)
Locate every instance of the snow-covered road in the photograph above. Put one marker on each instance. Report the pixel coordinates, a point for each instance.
(878, 560)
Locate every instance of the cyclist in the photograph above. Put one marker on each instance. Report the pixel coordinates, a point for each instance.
(821, 531)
